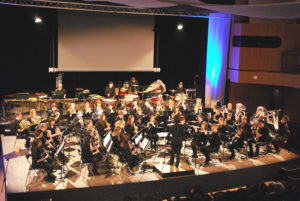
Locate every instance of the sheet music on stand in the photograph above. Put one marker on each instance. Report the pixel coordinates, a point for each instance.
(145, 144)
(107, 139)
(138, 139)
(109, 146)
(60, 147)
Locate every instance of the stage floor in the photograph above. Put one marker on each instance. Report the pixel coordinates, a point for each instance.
(20, 179)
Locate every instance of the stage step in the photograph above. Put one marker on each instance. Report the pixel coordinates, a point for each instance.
(165, 170)
(292, 172)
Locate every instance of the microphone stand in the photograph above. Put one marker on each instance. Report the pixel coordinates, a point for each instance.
(4, 178)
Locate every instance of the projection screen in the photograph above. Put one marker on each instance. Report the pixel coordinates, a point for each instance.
(104, 42)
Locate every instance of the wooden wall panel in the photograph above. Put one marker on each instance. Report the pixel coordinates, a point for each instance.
(266, 59)
(265, 78)
(255, 95)
(291, 103)
(251, 96)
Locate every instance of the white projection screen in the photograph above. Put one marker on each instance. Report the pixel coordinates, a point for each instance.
(95, 42)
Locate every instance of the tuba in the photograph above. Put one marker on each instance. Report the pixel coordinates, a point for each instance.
(240, 111)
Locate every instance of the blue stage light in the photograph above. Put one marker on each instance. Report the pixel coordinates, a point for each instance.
(217, 53)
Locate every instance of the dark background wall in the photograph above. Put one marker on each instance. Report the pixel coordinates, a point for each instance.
(25, 54)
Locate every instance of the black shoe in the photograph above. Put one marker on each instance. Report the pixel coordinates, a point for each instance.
(194, 156)
(232, 157)
(171, 163)
(49, 178)
(250, 154)
(277, 151)
(206, 164)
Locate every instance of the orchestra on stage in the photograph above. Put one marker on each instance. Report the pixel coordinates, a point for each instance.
(127, 121)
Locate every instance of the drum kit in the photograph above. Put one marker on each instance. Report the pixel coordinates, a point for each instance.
(129, 93)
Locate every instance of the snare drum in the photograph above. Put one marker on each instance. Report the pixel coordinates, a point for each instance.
(123, 91)
(154, 99)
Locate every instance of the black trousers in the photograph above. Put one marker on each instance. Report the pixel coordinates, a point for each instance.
(207, 150)
(194, 148)
(259, 144)
(175, 149)
(250, 144)
(153, 138)
(46, 165)
(276, 141)
(94, 160)
(234, 146)
(133, 162)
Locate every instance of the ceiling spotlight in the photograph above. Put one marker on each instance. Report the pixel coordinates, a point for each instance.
(179, 26)
(37, 20)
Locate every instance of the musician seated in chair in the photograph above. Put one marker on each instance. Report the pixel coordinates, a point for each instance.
(102, 125)
(230, 123)
(213, 145)
(282, 133)
(90, 151)
(199, 138)
(237, 142)
(246, 127)
(133, 85)
(262, 136)
(130, 127)
(42, 159)
(19, 128)
(55, 131)
(152, 132)
(54, 112)
(116, 138)
(128, 151)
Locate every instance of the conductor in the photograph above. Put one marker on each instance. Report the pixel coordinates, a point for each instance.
(176, 134)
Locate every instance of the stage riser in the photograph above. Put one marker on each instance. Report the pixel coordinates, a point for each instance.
(162, 188)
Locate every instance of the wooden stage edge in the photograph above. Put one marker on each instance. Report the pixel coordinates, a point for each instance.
(209, 179)
(160, 188)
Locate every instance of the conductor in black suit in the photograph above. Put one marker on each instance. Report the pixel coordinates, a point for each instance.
(176, 135)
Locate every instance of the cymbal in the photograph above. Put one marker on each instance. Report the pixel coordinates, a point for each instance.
(127, 99)
(168, 95)
(109, 100)
(172, 90)
(131, 96)
(193, 121)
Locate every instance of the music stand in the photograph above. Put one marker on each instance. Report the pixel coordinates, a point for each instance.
(107, 139)
(61, 150)
(107, 144)
(144, 146)
(138, 139)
